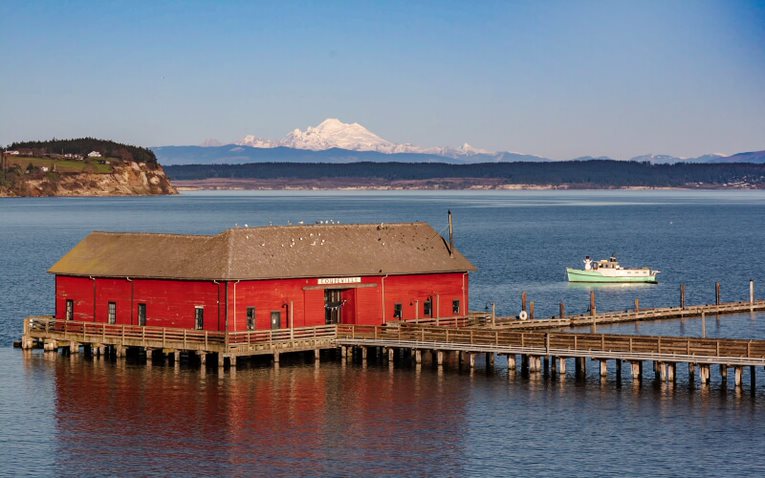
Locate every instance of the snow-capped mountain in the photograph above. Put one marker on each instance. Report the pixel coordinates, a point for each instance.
(254, 142)
(333, 133)
(668, 159)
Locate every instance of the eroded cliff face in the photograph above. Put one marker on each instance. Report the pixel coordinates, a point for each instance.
(127, 179)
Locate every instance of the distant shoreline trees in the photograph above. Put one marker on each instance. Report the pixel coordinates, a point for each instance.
(83, 146)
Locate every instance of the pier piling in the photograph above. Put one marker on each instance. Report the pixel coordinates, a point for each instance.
(636, 370)
(682, 296)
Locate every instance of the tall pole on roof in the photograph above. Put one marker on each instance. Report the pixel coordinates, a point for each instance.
(451, 235)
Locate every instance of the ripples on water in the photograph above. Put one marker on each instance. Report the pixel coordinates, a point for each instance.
(76, 416)
(90, 417)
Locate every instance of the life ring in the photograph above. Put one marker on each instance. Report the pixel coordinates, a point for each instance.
(523, 315)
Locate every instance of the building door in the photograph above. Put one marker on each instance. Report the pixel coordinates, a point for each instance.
(69, 309)
(199, 318)
(276, 320)
(142, 314)
(333, 306)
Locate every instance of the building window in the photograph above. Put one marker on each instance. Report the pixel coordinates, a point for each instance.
(398, 311)
(276, 320)
(427, 307)
(69, 309)
(199, 317)
(112, 317)
(455, 307)
(250, 318)
(142, 314)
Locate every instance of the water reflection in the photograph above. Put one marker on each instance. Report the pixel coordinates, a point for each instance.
(119, 418)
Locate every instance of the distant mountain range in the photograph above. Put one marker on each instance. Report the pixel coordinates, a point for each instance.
(333, 141)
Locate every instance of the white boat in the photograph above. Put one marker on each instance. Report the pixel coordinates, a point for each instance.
(609, 270)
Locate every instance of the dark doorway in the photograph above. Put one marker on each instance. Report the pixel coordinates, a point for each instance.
(333, 306)
(141, 314)
(276, 320)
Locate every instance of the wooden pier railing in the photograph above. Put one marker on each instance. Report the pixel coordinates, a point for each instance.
(633, 315)
(233, 343)
(595, 346)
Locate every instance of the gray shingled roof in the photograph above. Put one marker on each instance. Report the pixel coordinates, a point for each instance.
(322, 250)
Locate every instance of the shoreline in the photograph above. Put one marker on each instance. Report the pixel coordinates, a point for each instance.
(218, 184)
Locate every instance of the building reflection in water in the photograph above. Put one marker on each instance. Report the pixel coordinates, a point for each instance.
(121, 418)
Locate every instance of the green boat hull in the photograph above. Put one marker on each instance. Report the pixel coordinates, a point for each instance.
(578, 275)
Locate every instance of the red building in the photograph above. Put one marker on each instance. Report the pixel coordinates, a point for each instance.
(263, 277)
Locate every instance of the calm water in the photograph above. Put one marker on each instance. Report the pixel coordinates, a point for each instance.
(75, 416)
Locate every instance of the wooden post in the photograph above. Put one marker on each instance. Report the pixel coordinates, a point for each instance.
(580, 364)
(671, 372)
(603, 368)
(489, 359)
(471, 359)
(523, 300)
(637, 305)
(391, 354)
(592, 303)
(364, 352)
(531, 310)
(562, 310)
(203, 359)
(636, 369)
(276, 358)
(724, 373)
(717, 293)
(704, 373)
(737, 375)
(440, 357)
(493, 314)
(751, 294)
(176, 357)
(511, 362)
(691, 372)
(703, 325)
(418, 356)
(561, 367)
(662, 371)
(317, 356)
(682, 296)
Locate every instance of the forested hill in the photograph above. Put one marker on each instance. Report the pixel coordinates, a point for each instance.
(83, 146)
(580, 174)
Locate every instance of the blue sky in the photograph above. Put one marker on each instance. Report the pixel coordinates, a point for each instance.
(558, 79)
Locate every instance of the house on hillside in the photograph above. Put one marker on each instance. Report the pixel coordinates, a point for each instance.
(94, 154)
(264, 277)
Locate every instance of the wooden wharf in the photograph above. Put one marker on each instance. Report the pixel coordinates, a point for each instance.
(459, 337)
(541, 351)
(633, 315)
